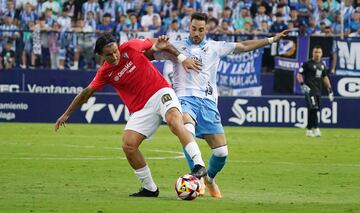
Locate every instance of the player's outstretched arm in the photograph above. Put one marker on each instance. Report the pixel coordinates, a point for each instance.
(81, 98)
(163, 44)
(249, 45)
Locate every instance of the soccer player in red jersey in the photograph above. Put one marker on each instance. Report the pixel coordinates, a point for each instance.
(148, 96)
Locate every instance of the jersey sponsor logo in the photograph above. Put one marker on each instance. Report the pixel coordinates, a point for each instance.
(278, 111)
(349, 87)
(90, 107)
(165, 98)
(9, 88)
(128, 68)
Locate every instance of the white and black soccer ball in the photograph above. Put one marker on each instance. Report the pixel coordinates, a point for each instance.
(187, 187)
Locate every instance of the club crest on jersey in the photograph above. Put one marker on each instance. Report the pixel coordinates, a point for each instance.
(125, 55)
(165, 98)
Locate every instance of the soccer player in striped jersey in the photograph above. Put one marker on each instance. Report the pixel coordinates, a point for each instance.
(197, 91)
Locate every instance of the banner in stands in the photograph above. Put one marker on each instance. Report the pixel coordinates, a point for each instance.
(348, 56)
(251, 111)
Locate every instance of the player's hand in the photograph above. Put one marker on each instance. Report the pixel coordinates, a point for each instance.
(281, 35)
(305, 89)
(61, 122)
(162, 42)
(192, 64)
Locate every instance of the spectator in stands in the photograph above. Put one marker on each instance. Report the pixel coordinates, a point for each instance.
(215, 7)
(355, 34)
(122, 25)
(336, 26)
(85, 40)
(70, 6)
(210, 13)
(54, 45)
(111, 7)
(126, 6)
(10, 10)
(93, 6)
(27, 15)
(312, 28)
(324, 18)
(278, 25)
(106, 25)
(90, 20)
(185, 21)
(166, 9)
(227, 16)
(36, 45)
(50, 19)
(328, 31)
(256, 4)
(304, 11)
(174, 27)
(240, 21)
(174, 15)
(7, 57)
(348, 12)
(9, 32)
(226, 30)
(20, 4)
(53, 5)
(263, 29)
(293, 32)
(27, 41)
(194, 4)
(155, 26)
(134, 25)
(355, 23)
(333, 8)
(64, 20)
(236, 6)
(284, 10)
(213, 25)
(147, 19)
(295, 18)
(261, 16)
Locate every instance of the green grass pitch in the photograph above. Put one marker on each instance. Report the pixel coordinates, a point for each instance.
(82, 169)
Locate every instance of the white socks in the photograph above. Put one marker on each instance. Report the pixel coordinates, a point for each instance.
(144, 175)
(194, 152)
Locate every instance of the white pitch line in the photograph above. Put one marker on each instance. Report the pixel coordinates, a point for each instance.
(295, 164)
(99, 158)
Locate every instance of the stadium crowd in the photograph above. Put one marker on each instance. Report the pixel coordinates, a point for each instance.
(60, 34)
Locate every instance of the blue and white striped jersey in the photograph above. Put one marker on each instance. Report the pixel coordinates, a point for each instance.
(192, 83)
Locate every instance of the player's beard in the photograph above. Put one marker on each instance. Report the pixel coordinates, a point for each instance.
(196, 39)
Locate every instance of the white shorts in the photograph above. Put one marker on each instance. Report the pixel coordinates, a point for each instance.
(147, 120)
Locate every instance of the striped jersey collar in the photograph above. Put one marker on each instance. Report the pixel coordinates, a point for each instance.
(190, 42)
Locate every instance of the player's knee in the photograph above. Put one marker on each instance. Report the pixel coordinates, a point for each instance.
(221, 151)
(174, 120)
(190, 127)
(127, 146)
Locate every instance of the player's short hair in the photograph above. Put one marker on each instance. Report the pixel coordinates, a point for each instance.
(317, 47)
(103, 41)
(199, 16)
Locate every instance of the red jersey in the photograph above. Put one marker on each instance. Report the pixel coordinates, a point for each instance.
(135, 79)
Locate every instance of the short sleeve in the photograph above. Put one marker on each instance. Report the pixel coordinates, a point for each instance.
(98, 82)
(140, 45)
(225, 48)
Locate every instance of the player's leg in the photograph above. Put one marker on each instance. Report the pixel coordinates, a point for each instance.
(309, 99)
(317, 132)
(170, 110)
(210, 128)
(142, 124)
(217, 161)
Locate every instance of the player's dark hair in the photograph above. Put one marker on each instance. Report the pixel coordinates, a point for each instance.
(199, 16)
(317, 47)
(102, 41)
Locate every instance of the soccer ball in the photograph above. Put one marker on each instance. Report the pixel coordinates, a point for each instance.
(187, 187)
